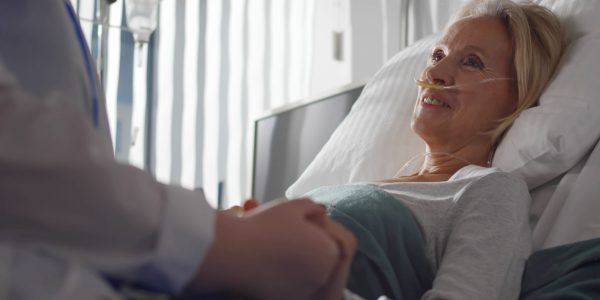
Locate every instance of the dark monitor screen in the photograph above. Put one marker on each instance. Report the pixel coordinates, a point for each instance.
(286, 142)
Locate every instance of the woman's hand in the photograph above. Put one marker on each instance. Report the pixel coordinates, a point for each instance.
(281, 250)
(237, 210)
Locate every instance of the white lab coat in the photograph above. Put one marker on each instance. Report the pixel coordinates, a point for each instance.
(71, 217)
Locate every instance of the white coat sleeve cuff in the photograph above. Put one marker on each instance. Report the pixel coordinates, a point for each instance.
(29, 273)
(185, 237)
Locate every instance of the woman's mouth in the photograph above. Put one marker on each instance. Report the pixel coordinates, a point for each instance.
(434, 102)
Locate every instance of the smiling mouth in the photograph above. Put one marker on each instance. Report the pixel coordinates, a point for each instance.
(435, 102)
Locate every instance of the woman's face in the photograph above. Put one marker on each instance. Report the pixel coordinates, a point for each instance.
(470, 51)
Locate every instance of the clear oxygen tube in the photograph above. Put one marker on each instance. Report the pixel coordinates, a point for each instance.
(440, 87)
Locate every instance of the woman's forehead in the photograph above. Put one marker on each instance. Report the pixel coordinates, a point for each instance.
(487, 35)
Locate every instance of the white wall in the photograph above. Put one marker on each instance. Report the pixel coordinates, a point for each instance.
(371, 31)
(327, 72)
(426, 17)
(368, 37)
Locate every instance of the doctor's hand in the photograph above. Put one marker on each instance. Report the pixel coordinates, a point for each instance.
(347, 243)
(281, 250)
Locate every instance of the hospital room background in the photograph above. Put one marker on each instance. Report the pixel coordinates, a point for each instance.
(186, 79)
(190, 83)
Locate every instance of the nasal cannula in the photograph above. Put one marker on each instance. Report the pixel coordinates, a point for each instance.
(440, 87)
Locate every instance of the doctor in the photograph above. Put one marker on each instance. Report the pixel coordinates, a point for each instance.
(75, 224)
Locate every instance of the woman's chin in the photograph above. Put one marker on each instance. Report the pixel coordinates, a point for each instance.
(428, 131)
(432, 120)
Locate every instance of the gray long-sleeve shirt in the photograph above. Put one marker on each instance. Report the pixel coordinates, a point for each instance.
(476, 231)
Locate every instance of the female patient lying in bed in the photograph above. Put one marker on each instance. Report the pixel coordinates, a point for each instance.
(471, 235)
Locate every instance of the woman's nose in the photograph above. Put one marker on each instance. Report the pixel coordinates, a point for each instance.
(439, 73)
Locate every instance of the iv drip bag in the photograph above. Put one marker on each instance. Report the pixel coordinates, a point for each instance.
(141, 18)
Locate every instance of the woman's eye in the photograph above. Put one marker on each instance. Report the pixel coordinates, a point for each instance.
(473, 62)
(437, 56)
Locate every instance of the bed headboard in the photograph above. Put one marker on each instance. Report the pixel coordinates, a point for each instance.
(287, 139)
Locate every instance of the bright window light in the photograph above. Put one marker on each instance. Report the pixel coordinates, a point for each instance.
(278, 50)
(236, 128)
(211, 100)
(296, 30)
(164, 87)
(309, 26)
(138, 115)
(86, 13)
(113, 67)
(190, 95)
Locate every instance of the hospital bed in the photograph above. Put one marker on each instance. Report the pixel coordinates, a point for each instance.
(554, 147)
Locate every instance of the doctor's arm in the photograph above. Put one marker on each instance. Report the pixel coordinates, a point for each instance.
(62, 190)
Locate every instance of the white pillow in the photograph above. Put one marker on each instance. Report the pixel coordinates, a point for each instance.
(549, 139)
(375, 139)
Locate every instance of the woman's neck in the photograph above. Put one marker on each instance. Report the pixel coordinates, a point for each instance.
(445, 161)
(441, 165)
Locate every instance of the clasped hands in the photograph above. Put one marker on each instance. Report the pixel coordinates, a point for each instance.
(285, 249)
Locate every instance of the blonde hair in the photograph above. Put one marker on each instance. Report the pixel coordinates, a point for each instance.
(538, 43)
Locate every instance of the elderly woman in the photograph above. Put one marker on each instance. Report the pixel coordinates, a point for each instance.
(492, 63)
